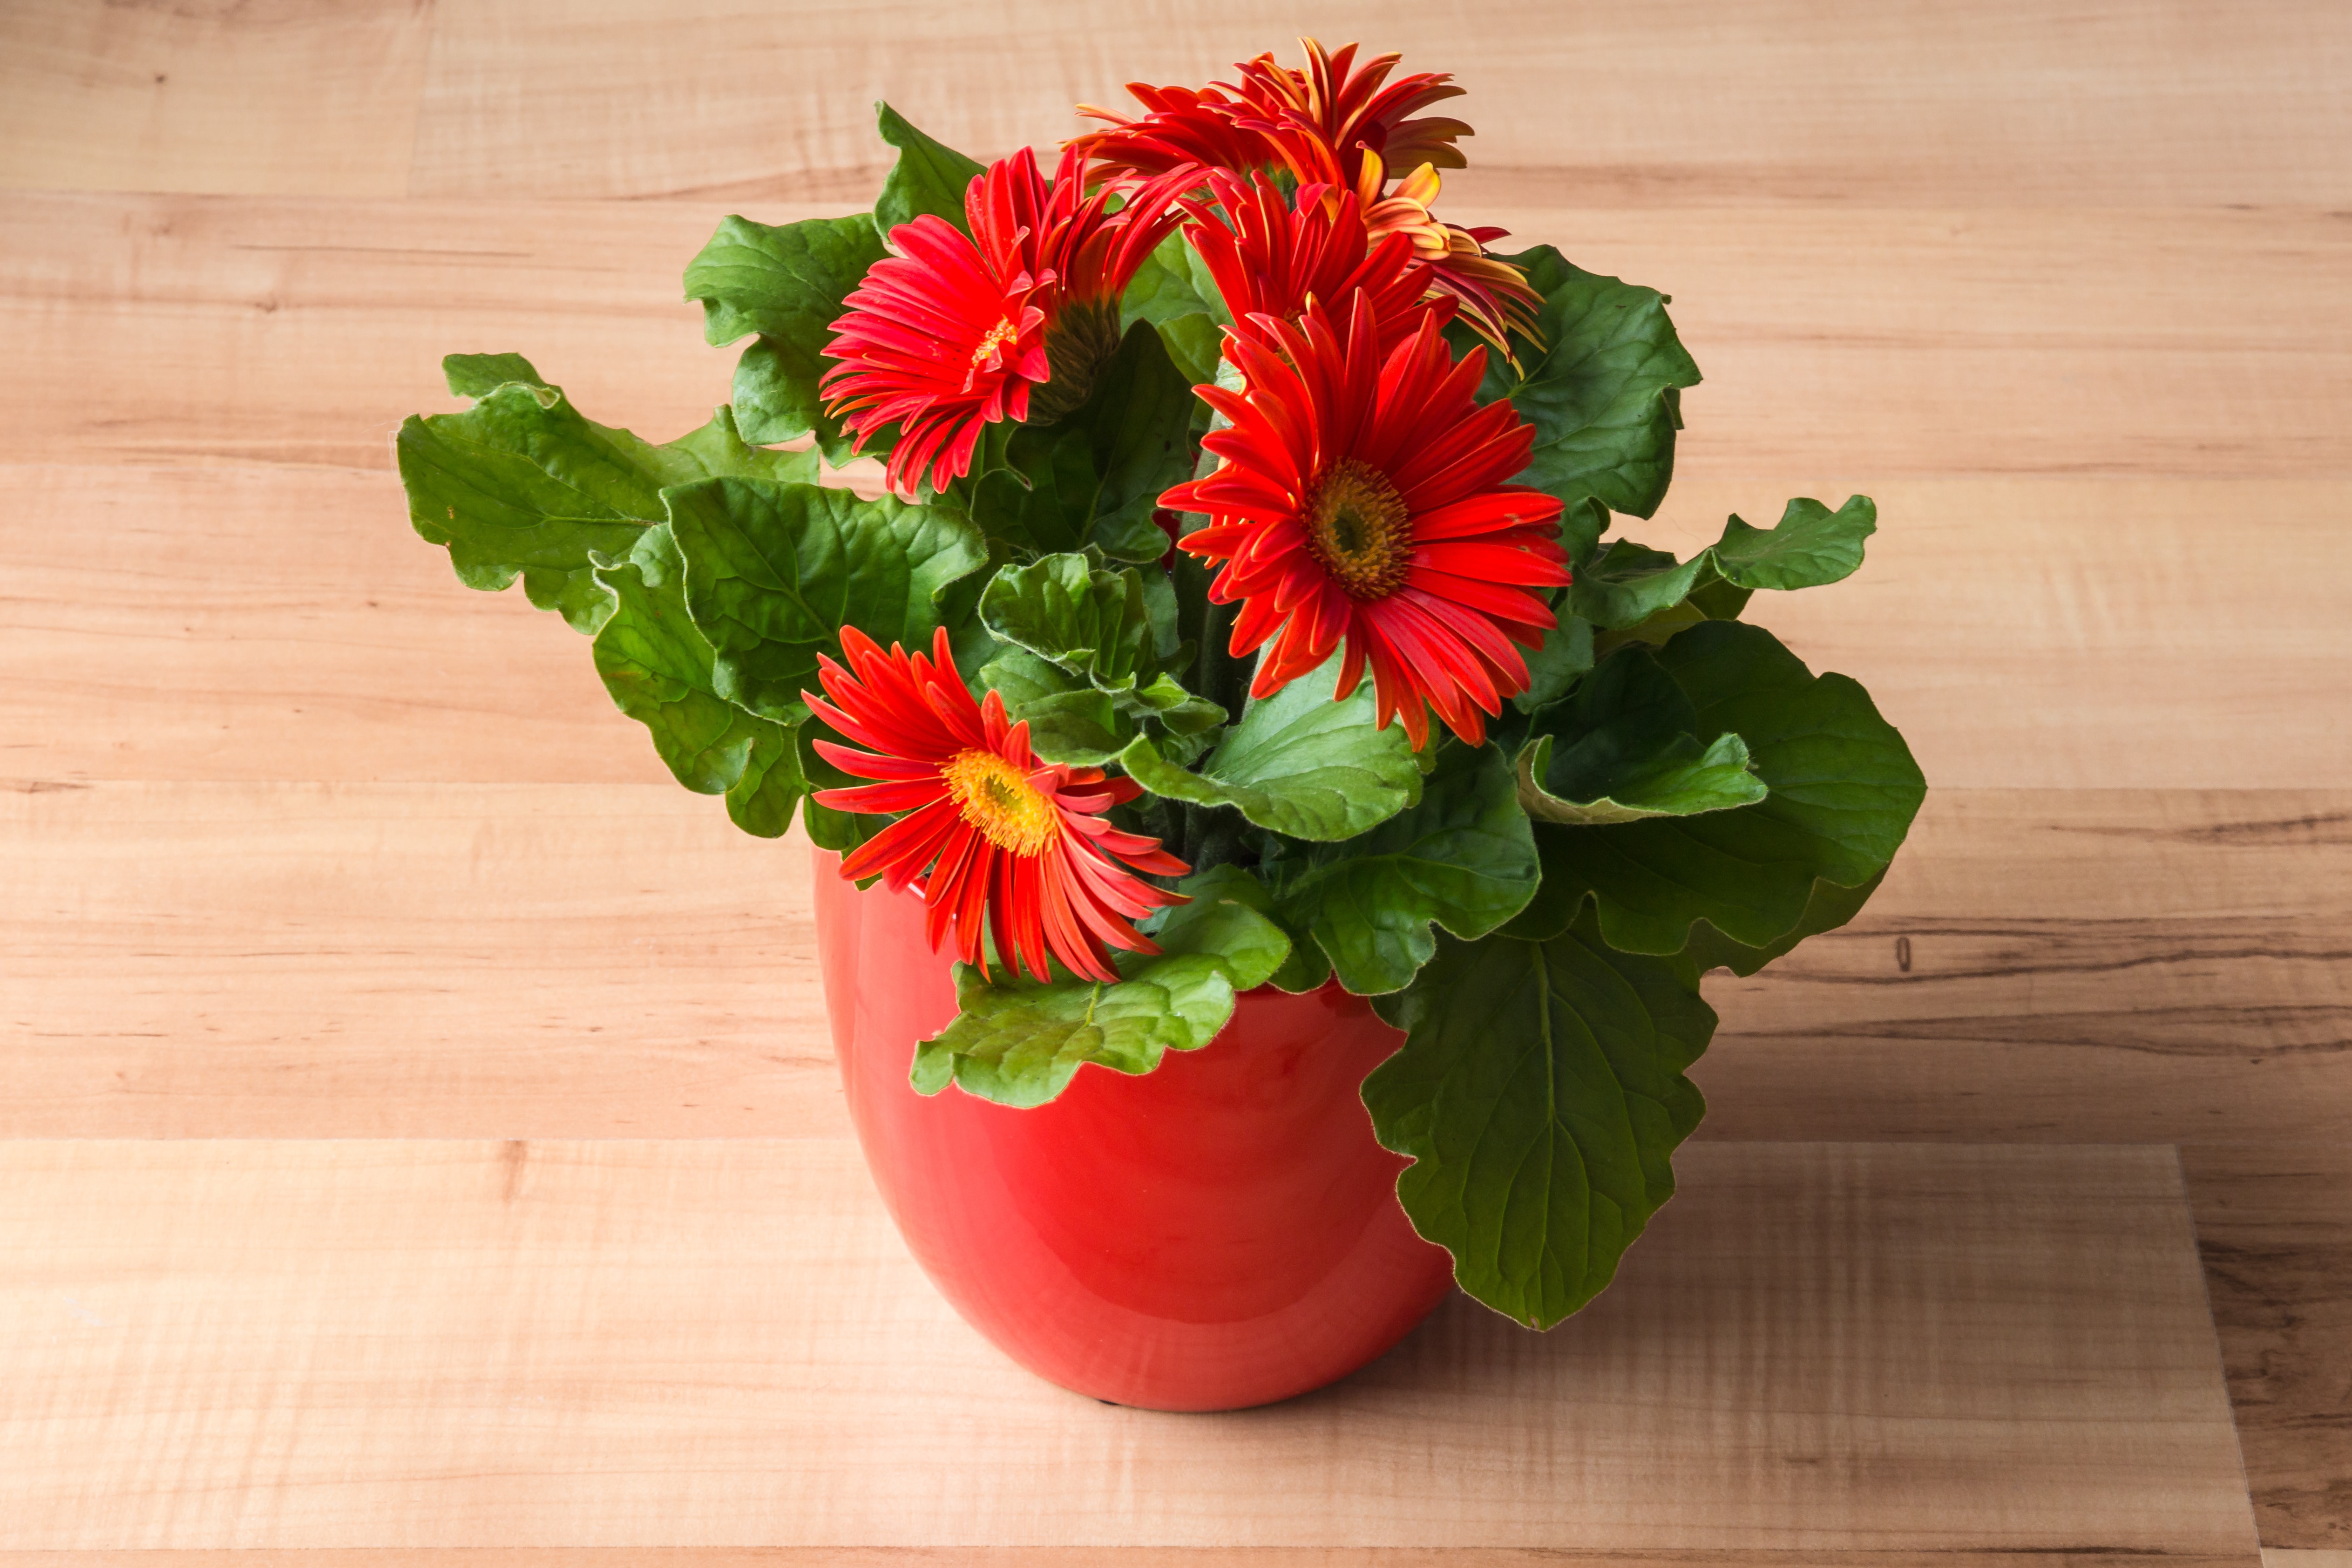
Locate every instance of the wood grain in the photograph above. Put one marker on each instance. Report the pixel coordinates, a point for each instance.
(362, 854)
(2274, 1222)
(2185, 976)
(341, 649)
(588, 960)
(282, 98)
(1817, 1347)
(1168, 1557)
(1997, 104)
(396, 961)
(1842, 347)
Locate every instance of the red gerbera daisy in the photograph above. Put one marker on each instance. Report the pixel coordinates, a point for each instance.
(1364, 499)
(1340, 130)
(1269, 259)
(1318, 122)
(952, 331)
(998, 843)
(1496, 297)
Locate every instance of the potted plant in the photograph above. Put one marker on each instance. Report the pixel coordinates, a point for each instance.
(1269, 829)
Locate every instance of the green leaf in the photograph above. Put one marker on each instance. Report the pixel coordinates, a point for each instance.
(1622, 747)
(519, 484)
(1601, 391)
(1627, 584)
(1091, 621)
(478, 375)
(928, 176)
(761, 801)
(1095, 477)
(1069, 721)
(1308, 967)
(1540, 1093)
(787, 284)
(775, 397)
(1554, 668)
(658, 670)
(1298, 763)
(1019, 1043)
(1828, 907)
(1140, 422)
(1811, 547)
(1463, 858)
(1194, 345)
(1172, 283)
(1041, 498)
(1166, 609)
(773, 571)
(1843, 789)
(1713, 601)
(1567, 652)
(1581, 524)
(1680, 779)
(1179, 709)
(1630, 583)
(1173, 291)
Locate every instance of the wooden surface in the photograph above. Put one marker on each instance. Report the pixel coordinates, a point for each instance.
(573, 961)
(340, 649)
(305, 842)
(430, 1343)
(1167, 1557)
(1835, 342)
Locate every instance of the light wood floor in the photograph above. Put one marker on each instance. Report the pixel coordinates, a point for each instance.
(304, 843)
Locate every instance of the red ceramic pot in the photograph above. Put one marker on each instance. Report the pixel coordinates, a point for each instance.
(1220, 1233)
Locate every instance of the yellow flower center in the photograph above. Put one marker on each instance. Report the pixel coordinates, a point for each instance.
(1357, 528)
(993, 340)
(998, 800)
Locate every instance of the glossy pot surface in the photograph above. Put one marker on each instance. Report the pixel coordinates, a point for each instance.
(1221, 1232)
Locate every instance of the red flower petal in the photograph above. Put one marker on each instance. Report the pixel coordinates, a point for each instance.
(1364, 503)
(947, 333)
(1003, 846)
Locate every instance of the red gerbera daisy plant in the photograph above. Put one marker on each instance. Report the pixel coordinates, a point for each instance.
(1363, 499)
(1001, 844)
(953, 331)
(1370, 555)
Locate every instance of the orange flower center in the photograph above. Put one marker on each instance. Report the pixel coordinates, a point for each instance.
(1359, 528)
(993, 340)
(996, 798)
